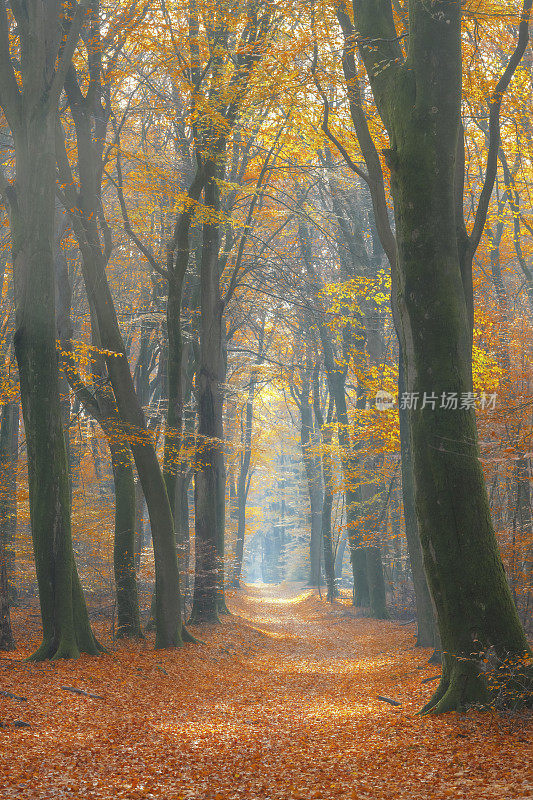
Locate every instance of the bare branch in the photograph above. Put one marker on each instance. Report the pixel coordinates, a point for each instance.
(494, 128)
(68, 47)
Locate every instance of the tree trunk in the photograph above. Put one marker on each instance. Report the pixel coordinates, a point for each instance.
(139, 523)
(181, 511)
(128, 622)
(361, 591)
(420, 103)
(325, 428)
(9, 443)
(7, 640)
(314, 483)
(329, 561)
(426, 626)
(66, 628)
(339, 557)
(209, 501)
(241, 530)
(9, 435)
(8, 516)
(376, 583)
(94, 258)
(99, 401)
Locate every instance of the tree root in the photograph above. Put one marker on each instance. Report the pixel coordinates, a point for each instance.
(43, 652)
(463, 688)
(188, 637)
(66, 648)
(436, 657)
(222, 607)
(507, 684)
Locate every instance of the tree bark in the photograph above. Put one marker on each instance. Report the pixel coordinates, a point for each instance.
(361, 594)
(243, 483)
(314, 482)
(419, 102)
(209, 499)
(376, 583)
(128, 621)
(327, 476)
(8, 517)
(426, 624)
(9, 444)
(85, 225)
(66, 629)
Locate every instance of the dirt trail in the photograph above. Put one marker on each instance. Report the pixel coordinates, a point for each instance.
(280, 702)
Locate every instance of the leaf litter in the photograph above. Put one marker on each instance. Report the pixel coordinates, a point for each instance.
(283, 701)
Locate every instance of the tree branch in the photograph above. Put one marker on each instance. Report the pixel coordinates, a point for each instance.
(66, 51)
(10, 97)
(494, 128)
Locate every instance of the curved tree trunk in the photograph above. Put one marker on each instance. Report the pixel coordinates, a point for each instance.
(85, 225)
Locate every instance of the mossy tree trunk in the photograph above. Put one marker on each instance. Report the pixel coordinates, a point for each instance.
(387, 241)
(29, 100)
(426, 624)
(361, 591)
(35, 348)
(419, 100)
(128, 621)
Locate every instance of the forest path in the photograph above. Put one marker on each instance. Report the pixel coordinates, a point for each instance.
(278, 703)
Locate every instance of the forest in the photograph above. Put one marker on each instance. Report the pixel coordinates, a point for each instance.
(266, 399)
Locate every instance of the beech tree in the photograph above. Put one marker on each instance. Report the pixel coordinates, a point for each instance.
(30, 85)
(418, 95)
(94, 239)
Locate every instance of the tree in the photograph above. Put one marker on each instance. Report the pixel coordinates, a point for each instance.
(418, 95)
(30, 109)
(94, 239)
(226, 96)
(9, 436)
(325, 428)
(309, 443)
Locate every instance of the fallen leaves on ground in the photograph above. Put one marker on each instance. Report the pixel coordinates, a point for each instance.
(278, 703)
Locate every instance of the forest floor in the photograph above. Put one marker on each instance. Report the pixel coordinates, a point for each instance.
(280, 702)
